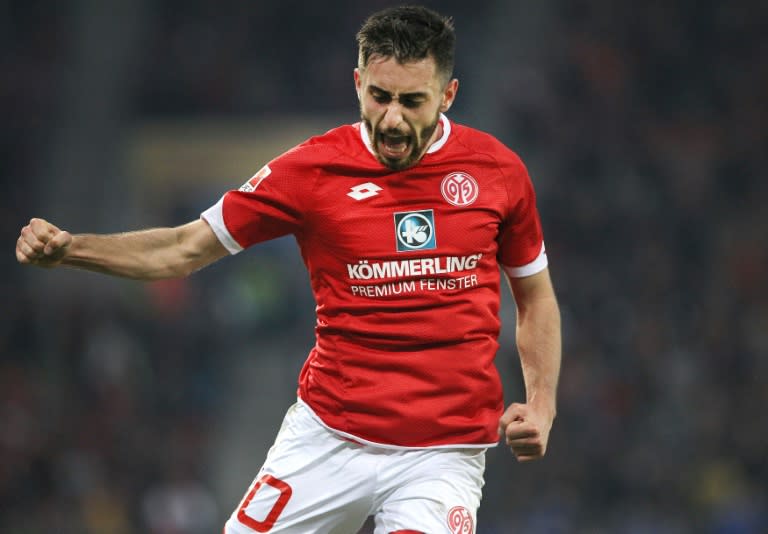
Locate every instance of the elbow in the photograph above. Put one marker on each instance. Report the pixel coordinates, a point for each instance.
(165, 271)
(189, 263)
(174, 264)
(178, 271)
(184, 272)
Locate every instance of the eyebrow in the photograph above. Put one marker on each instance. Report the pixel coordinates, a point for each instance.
(413, 95)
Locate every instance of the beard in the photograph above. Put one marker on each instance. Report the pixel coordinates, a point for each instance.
(415, 142)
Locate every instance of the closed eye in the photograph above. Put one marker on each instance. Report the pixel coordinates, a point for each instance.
(411, 103)
(381, 98)
(408, 100)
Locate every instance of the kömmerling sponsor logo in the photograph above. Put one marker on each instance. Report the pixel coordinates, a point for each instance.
(382, 270)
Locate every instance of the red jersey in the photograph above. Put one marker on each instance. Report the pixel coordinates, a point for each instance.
(404, 269)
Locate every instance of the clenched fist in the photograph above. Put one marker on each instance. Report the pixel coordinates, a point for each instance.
(41, 243)
(526, 431)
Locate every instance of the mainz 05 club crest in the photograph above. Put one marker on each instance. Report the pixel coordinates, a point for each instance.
(459, 189)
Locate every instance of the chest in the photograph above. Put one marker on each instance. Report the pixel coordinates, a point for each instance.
(442, 212)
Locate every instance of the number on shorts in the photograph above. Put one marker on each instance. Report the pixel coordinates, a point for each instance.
(269, 521)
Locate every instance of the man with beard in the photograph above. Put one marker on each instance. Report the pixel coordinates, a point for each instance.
(403, 221)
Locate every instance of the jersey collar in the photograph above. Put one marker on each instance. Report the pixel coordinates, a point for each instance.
(434, 147)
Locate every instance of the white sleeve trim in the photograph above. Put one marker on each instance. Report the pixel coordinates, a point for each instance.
(214, 216)
(537, 265)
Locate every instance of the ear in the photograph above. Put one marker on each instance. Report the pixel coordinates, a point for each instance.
(449, 95)
(358, 82)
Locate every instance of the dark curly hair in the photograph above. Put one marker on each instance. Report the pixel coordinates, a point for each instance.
(408, 33)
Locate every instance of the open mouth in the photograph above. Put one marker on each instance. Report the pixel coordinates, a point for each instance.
(393, 146)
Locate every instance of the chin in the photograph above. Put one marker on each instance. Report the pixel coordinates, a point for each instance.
(398, 164)
(408, 160)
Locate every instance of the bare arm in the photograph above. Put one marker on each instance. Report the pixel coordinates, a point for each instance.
(151, 254)
(526, 426)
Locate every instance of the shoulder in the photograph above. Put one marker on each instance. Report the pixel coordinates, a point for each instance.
(321, 149)
(485, 145)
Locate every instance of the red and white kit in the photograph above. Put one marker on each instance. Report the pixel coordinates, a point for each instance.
(316, 482)
(404, 266)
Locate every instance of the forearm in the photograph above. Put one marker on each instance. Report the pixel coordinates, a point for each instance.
(539, 345)
(152, 254)
(526, 426)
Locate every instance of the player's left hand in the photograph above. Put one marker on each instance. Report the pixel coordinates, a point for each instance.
(526, 431)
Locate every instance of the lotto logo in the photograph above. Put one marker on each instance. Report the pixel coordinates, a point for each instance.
(363, 191)
(415, 230)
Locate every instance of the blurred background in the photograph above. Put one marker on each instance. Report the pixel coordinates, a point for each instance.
(148, 408)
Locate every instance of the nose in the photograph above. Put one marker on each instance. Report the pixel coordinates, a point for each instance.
(393, 117)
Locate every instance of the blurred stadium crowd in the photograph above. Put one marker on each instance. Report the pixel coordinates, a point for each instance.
(644, 128)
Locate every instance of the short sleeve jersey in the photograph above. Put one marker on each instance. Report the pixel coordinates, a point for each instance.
(404, 267)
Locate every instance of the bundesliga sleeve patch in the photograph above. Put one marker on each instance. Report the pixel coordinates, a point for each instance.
(251, 185)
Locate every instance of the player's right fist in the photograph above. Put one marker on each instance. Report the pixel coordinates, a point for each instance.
(41, 243)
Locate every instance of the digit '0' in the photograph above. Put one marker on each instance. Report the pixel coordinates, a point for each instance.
(269, 521)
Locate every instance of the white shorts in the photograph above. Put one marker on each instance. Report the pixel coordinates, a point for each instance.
(316, 482)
